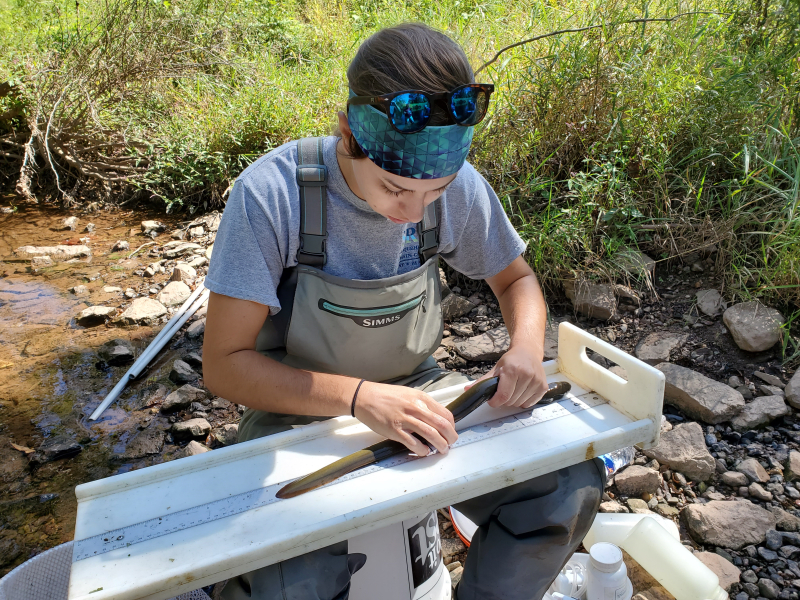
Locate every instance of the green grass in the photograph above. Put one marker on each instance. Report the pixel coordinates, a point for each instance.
(668, 137)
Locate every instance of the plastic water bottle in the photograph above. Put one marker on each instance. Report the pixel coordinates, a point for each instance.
(617, 459)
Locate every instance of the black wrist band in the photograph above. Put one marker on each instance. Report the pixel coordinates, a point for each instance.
(353, 405)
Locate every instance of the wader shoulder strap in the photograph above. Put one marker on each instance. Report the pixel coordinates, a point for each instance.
(429, 232)
(312, 177)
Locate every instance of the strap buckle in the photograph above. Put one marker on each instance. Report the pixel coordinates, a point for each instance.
(312, 175)
(312, 244)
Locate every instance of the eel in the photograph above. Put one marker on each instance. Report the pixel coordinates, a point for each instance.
(466, 403)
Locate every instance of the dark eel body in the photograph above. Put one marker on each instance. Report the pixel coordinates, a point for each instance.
(460, 407)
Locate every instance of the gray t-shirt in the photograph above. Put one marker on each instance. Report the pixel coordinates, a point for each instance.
(259, 234)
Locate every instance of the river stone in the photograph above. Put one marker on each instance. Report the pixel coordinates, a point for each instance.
(183, 272)
(730, 524)
(727, 572)
(57, 253)
(734, 479)
(148, 226)
(593, 300)
(489, 346)
(69, 224)
(792, 466)
(792, 391)
(754, 327)
(116, 352)
(784, 521)
(227, 434)
(180, 249)
(452, 546)
(55, 448)
(443, 287)
(462, 329)
(759, 412)
(149, 441)
(79, 290)
(698, 396)
(773, 380)
(196, 329)
(193, 448)
(142, 311)
(612, 506)
(182, 373)
(193, 428)
(638, 506)
(755, 490)
(684, 450)
(709, 302)
(120, 246)
(94, 315)
(636, 480)
(768, 588)
(182, 398)
(753, 470)
(455, 306)
(657, 346)
(41, 262)
(174, 293)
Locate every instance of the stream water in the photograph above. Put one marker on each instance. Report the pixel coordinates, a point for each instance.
(51, 377)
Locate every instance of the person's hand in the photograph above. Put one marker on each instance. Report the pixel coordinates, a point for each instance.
(397, 412)
(522, 379)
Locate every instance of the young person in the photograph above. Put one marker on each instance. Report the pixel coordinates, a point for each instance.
(325, 301)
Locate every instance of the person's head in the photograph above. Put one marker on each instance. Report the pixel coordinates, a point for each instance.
(396, 182)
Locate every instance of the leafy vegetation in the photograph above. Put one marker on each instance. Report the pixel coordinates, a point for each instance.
(676, 137)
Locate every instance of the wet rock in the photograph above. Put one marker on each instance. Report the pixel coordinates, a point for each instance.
(149, 441)
(156, 226)
(734, 479)
(754, 327)
(69, 224)
(227, 434)
(684, 450)
(769, 379)
(55, 448)
(9, 551)
(760, 412)
(792, 466)
(657, 346)
(120, 246)
(94, 315)
(116, 352)
(193, 428)
(593, 300)
(709, 302)
(142, 311)
(489, 346)
(193, 448)
(636, 480)
(455, 306)
(174, 293)
(727, 572)
(182, 373)
(753, 470)
(730, 524)
(183, 272)
(759, 493)
(182, 398)
(698, 396)
(196, 329)
(57, 253)
(792, 391)
(180, 249)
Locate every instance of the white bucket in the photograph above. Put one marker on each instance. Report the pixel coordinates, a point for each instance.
(46, 577)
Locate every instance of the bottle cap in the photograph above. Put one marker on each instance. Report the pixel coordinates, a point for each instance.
(605, 557)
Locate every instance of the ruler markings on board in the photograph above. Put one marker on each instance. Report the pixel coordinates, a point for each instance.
(250, 500)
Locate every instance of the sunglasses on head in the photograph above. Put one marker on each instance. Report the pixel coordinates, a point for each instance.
(410, 111)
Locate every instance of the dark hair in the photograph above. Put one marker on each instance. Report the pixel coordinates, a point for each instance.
(409, 56)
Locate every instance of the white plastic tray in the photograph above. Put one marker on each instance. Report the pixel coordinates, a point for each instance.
(621, 413)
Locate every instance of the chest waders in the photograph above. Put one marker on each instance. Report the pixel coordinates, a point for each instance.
(385, 330)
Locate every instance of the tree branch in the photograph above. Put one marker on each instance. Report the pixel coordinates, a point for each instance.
(579, 29)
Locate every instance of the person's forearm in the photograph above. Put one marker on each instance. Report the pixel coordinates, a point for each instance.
(249, 378)
(525, 313)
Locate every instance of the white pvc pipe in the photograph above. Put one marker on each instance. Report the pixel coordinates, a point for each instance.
(166, 334)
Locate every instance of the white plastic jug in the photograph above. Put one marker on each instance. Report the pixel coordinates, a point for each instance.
(655, 545)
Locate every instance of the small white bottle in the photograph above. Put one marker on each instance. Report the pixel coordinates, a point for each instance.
(608, 576)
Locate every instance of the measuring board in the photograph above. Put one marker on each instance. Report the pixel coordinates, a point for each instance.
(202, 519)
(252, 499)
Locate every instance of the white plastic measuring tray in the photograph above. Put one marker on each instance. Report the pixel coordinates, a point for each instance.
(175, 527)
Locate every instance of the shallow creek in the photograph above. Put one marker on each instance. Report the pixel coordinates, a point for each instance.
(51, 377)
